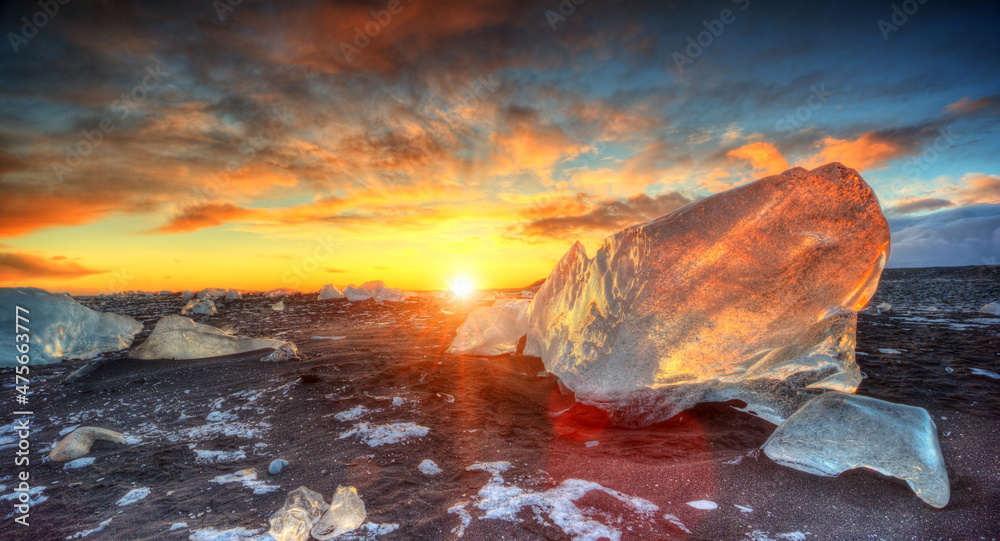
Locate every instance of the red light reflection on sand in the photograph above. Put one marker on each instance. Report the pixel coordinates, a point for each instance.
(669, 463)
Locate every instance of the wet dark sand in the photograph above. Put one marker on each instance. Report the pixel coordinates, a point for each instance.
(496, 409)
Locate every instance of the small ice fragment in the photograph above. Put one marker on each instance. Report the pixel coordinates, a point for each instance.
(884, 307)
(594, 443)
(276, 466)
(328, 337)
(133, 496)
(179, 338)
(302, 509)
(205, 307)
(178, 526)
(991, 308)
(280, 305)
(397, 401)
(676, 522)
(79, 463)
(79, 442)
(428, 467)
(836, 432)
(890, 351)
(987, 373)
(703, 504)
(345, 514)
(743, 509)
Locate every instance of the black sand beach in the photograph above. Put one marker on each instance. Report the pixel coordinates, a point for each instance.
(194, 421)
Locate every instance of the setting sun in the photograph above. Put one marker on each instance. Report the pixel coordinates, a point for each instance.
(461, 286)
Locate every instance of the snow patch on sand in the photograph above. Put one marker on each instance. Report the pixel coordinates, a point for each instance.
(79, 463)
(208, 457)
(376, 435)
(133, 496)
(248, 478)
(503, 501)
(85, 533)
(354, 413)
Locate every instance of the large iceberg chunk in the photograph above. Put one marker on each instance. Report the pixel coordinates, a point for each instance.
(492, 330)
(329, 291)
(280, 292)
(749, 294)
(59, 327)
(355, 294)
(836, 432)
(375, 289)
(177, 337)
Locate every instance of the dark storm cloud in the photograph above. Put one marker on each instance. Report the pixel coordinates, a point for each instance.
(607, 216)
(959, 236)
(920, 205)
(410, 103)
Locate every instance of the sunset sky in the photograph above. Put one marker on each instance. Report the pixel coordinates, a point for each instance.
(275, 144)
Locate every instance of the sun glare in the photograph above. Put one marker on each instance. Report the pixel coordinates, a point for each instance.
(462, 287)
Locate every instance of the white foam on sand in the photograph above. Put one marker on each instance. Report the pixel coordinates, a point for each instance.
(235, 534)
(703, 504)
(133, 496)
(368, 531)
(248, 478)
(556, 506)
(758, 535)
(354, 413)
(79, 463)
(428, 467)
(85, 533)
(376, 435)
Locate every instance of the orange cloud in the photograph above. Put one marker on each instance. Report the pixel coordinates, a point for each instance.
(965, 106)
(207, 215)
(21, 266)
(764, 157)
(22, 211)
(869, 151)
(980, 188)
